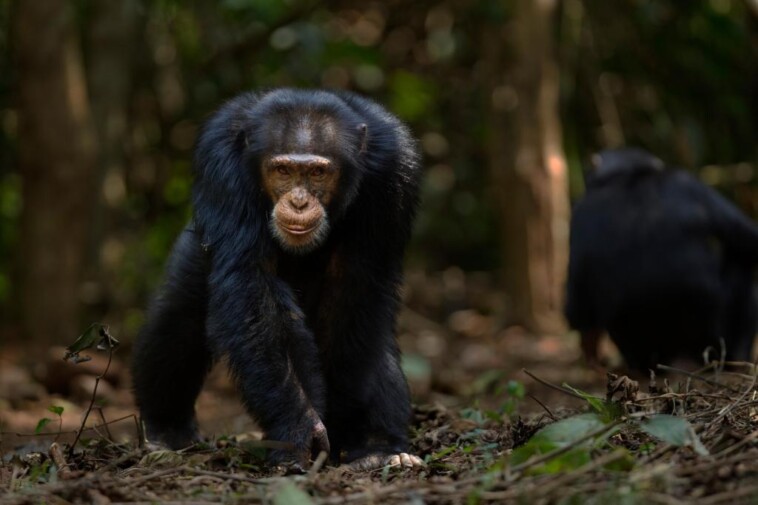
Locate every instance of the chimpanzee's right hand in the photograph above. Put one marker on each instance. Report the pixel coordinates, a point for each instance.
(308, 437)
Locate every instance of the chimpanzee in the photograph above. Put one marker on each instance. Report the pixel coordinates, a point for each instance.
(290, 269)
(662, 262)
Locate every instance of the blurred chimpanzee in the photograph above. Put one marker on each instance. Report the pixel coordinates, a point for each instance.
(660, 261)
(303, 205)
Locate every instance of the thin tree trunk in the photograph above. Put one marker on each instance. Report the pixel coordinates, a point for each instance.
(110, 71)
(528, 164)
(56, 155)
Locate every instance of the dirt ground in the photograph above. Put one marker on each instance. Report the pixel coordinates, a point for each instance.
(493, 422)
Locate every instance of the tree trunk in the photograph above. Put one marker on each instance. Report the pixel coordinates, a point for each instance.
(56, 157)
(528, 165)
(110, 72)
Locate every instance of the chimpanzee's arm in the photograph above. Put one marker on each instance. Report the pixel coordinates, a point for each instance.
(580, 310)
(254, 320)
(735, 230)
(368, 395)
(171, 355)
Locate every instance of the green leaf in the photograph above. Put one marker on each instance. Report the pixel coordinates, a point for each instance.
(441, 453)
(484, 381)
(289, 494)
(595, 402)
(569, 460)
(622, 464)
(569, 430)
(558, 435)
(516, 389)
(41, 425)
(673, 430)
(610, 411)
(55, 409)
(95, 336)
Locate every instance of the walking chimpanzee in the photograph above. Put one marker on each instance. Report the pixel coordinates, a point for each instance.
(662, 262)
(290, 269)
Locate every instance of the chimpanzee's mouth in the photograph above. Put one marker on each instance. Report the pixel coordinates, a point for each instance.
(298, 229)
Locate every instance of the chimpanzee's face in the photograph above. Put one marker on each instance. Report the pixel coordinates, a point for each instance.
(301, 175)
(300, 185)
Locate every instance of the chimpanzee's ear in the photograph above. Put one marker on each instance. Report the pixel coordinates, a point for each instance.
(363, 135)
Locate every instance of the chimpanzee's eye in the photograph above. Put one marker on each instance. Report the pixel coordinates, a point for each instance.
(282, 170)
(318, 172)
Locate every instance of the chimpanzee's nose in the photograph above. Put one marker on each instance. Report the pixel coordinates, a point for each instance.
(299, 199)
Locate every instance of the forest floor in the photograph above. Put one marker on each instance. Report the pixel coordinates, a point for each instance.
(500, 416)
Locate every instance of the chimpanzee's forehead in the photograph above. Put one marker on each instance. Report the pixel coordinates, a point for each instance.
(303, 132)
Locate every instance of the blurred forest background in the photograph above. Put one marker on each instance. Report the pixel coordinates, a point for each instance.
(100, 102)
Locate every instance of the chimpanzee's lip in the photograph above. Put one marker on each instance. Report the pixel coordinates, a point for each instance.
(296, 229)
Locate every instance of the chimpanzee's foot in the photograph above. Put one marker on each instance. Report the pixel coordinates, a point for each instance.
(174, 438)
(380, 460)
(307, 441)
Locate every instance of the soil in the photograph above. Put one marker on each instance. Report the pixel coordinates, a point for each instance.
(483, 399)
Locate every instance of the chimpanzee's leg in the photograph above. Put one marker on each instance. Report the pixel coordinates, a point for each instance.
(368, 402)
(171, 357)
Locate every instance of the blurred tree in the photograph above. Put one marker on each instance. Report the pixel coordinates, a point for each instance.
(56, 160)
(527, 162)
(474, 79)
(112, 27)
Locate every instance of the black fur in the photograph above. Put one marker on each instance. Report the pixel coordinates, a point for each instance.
(305, 335)
(662, 262)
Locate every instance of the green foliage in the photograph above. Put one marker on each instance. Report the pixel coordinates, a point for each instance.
(673, 430)
(41, 425)
(516, 392)
(607, 410)
(58, 411)
(569, 434)
(41, 473)
(411, 96)
(96, 335)
(558, 435)
(10, 208)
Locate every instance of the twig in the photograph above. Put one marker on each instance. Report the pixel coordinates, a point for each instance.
(549, 412)
(749, 438)
(70, 432)
(729, 496)
(105, 424)
(717, 462)
(64, 472)
(154, 475)
(697, 377)
(374, 495)
(726, 410)
(116, 462)
(233, 476)
(320, 460)
(550, 385)
(94, 397)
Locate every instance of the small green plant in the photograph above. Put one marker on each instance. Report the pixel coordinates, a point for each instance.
(58, 411)
(97, 336)
(515, 392)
